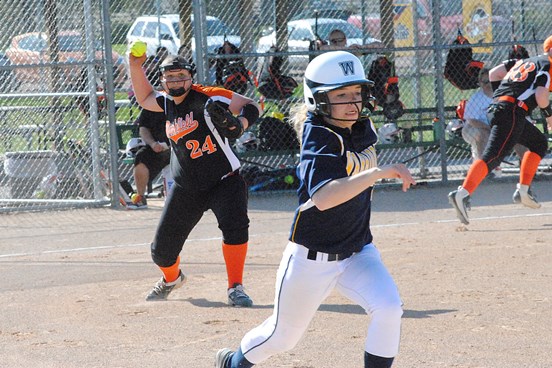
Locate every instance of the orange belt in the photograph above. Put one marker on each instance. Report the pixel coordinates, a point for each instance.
(514, 101)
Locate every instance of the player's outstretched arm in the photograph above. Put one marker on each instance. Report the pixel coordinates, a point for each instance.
(341, 190)
(143, 91)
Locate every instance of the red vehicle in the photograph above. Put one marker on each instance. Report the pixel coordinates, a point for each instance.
(32, 49)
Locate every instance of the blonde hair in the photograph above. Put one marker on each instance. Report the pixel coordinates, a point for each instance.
(298, 115)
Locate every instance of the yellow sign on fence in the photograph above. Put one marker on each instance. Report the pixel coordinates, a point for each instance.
(477, 20)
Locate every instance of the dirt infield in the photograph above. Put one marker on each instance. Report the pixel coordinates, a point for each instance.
(73, 287)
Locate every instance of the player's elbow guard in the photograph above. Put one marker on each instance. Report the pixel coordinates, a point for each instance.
(251, 113)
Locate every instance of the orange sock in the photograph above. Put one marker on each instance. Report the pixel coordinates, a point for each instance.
(234, 256)
(529, 166)
(171, 273)
(477, 172)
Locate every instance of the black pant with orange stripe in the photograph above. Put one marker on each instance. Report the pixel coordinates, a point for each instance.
(185, 207)
(509, 125)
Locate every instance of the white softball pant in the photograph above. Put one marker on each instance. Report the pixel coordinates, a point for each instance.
(303, 284)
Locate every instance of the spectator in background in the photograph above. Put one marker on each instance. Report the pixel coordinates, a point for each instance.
(155, 155)
(476, 128)
(337, 40)
(151, 158)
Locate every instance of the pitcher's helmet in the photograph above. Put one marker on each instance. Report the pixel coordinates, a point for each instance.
(177, 62)
(330, 71)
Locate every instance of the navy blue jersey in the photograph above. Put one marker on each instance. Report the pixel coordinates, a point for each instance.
(524, 77)
(329, 152)
(201, 156)
(155, 122)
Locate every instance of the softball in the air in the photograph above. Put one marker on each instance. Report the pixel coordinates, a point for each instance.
(138, 48)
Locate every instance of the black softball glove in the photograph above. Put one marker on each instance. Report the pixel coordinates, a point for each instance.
(227, 124)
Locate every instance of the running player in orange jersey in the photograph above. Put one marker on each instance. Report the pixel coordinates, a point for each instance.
(520, 86)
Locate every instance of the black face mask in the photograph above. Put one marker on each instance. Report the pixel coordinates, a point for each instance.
(177, 92)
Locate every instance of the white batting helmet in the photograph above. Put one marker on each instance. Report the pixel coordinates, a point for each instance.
(133, 145)
(247, 142)
(454, 128)
(330, 71)
(388, 133)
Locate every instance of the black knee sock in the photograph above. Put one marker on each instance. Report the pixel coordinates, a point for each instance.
(373, 361)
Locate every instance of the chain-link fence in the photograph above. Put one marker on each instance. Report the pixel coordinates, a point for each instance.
(64, 120)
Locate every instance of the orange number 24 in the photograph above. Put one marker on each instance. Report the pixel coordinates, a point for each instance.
(198, 149)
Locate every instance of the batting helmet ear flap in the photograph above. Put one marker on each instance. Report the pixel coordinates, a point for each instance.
(323, 103)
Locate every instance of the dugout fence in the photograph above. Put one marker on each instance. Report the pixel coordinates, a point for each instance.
(66, 107)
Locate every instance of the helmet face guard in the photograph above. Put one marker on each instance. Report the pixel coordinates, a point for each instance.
(325, 106)
(331, 71)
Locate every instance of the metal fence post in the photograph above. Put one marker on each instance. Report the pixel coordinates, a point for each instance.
(439, 87)
(200, 34)
(110, 96)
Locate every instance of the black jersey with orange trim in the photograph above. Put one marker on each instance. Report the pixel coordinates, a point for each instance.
(201, 157)
(524, 77)
(328, 153)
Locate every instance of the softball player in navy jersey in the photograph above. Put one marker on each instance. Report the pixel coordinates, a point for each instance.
(520, 87)
(205, 170)
(330, 240)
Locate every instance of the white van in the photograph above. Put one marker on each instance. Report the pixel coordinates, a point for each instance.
(164, 31)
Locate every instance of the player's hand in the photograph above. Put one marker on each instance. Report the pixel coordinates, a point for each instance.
(549, 123)
(138, 61)
(400, 171)
(158, 147)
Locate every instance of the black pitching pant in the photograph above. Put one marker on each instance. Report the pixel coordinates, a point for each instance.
(185, 207)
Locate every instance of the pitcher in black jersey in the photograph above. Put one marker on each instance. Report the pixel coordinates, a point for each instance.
(205, 170)
(520, 87)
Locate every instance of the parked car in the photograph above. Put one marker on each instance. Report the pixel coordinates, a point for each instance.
(302, 31)
(324, 9)
(165, 31)
(32, 49)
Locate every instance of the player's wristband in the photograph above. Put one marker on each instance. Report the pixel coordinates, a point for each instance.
(251, 113)
(547, 111)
